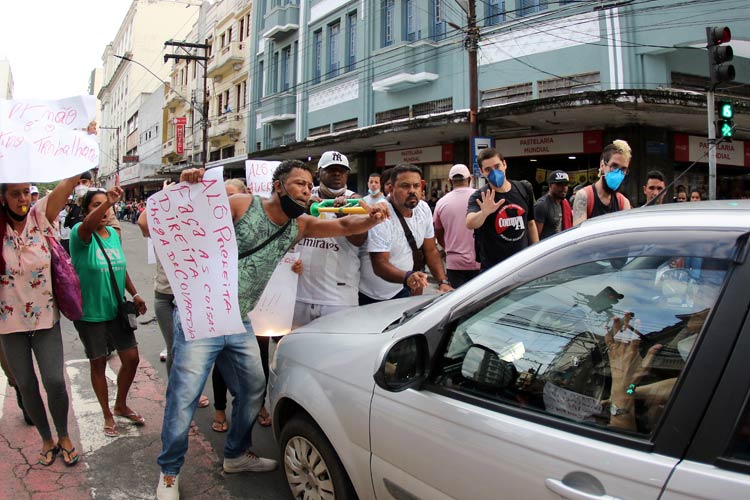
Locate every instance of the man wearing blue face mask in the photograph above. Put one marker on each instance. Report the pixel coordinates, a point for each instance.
(604, 196)
(501, 213)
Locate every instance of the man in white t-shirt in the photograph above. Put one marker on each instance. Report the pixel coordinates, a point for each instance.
(388, 269)
(330, 266)
(374, 193)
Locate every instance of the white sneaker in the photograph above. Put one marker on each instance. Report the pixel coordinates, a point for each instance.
(249, 462)
(168, 487)
(163, 355)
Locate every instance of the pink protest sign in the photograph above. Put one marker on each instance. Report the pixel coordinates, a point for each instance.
(45, 141)
(193, 235)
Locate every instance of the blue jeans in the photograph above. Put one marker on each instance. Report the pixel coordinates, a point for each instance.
(242, 371)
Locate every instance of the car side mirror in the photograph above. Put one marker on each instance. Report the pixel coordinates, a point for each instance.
(404, 365)
(484, 367)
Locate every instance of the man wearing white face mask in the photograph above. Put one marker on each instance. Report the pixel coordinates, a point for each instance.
(603, 197)
(375, 195)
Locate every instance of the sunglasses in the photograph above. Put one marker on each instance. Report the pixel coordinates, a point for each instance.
(97, 190)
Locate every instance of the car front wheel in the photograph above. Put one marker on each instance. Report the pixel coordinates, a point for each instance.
(312, 468)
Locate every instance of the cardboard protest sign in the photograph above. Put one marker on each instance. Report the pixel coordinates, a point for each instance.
(193, 234)
(274, 312)
(259, 176)
(44, 141)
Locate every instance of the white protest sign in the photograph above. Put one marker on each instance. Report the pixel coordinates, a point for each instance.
(191, 227)
(42, 141)
(274, 311)
(259, 176)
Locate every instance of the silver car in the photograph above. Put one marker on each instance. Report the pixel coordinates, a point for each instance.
(609, 361)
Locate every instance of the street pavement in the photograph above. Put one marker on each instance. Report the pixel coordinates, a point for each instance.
(125, 467)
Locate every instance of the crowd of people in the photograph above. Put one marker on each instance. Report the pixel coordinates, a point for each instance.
(345, 261)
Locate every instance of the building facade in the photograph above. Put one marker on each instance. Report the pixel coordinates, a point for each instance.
(133, 68)
(387, 81)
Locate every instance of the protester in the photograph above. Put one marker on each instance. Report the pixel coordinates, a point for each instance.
(654, 189)
(374, 194)
(681, 195)
(696, 195)
(280, 221)
(604, 197)
(330, 281)
(30, 318)
(552, 211)
(97, 253)
(501, 213)
(451, 231)
(64, 231)
(34, 195)
(389, 269)
(385, 181)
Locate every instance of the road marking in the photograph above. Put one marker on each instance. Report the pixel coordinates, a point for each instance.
(88, 413)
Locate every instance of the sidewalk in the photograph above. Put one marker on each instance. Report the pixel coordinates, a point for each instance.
(113, 468)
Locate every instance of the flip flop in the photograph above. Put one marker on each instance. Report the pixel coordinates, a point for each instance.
(47, 458)
(134, 417)
(203, 401)
(111, 431)
(220, 426)
(70, 462)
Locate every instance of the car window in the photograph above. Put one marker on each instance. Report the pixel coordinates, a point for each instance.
(600, 343)
(739, 448)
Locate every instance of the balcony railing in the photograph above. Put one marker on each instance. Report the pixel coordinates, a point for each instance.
(226, 126)
(176, 95)
(226, 59)
(281, 20)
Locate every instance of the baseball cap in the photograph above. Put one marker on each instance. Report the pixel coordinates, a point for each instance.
(86, 175)
(558, 176)
(33, 190)
(459, 170)
(333, 158)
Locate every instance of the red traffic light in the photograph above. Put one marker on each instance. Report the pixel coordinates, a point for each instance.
(719, 35)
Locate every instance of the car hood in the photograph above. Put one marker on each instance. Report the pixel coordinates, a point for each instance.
(373, 318)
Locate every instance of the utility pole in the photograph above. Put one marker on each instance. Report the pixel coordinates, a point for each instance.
(204, 63)
(471, 43)
(719, 71)
(117, 153)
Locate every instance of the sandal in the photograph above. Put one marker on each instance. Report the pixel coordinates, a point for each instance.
(47, 458)
(203, 401)
(67, 458)
(220, 426)
(133, 416)
(111, 431)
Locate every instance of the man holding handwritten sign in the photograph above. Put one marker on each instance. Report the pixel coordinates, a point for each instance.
(265, 228)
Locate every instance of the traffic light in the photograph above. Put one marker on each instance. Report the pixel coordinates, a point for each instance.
(719, 54)
(725, 121)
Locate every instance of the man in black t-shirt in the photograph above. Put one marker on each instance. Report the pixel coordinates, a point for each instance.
(552, 211)
(501, 213)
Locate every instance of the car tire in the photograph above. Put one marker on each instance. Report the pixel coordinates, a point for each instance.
(304, 447)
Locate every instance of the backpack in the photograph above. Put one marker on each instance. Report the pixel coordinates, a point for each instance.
(590, 199)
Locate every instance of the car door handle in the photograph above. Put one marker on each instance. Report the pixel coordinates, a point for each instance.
(572, 493)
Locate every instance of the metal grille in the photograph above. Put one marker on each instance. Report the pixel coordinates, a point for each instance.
(392, 114)
(572, 84)
(436, 106)
(696, 83)
(507, 95)
(322, 130)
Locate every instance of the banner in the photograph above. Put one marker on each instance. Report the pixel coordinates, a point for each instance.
(193, 234)
(180, 135)
(274, 312)
(45, 141)
(259, 176)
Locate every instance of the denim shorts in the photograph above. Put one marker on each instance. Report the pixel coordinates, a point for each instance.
(94, 337)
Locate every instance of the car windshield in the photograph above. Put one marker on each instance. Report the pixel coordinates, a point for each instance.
(410, 313)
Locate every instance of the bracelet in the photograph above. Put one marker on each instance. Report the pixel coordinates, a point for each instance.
(136, 295)
(445, 282)
(630, 390)
(406, 277)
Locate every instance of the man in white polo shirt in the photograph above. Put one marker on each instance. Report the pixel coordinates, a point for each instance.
(389, 270)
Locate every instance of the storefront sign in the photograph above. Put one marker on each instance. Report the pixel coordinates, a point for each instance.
(689, 148)
(180, 135)
(430, 154)
(556, 144)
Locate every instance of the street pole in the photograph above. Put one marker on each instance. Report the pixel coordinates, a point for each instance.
(711, 146)
(117, 152)
(472, 40)
(204, 64)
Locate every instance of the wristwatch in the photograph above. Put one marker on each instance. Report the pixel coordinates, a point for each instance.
(616, 411)
(445, 282)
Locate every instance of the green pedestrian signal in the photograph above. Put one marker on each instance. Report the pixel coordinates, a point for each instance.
(726, 110)
(725, 128)
(725, 121)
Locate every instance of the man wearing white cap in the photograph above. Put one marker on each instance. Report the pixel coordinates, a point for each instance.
(34, 191)
(451, 231)
(330, 266)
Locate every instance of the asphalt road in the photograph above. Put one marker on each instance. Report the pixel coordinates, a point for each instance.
(271, 486)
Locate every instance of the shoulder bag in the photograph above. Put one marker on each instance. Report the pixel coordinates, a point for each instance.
(417, 253)
(66, 287)
(126, 311)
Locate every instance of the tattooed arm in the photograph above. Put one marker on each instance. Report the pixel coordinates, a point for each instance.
(580, 205)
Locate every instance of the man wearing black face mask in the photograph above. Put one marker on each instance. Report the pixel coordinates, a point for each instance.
(603, 197)
(265, 228)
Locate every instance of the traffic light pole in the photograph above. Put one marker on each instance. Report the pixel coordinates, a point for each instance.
(711, 146)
